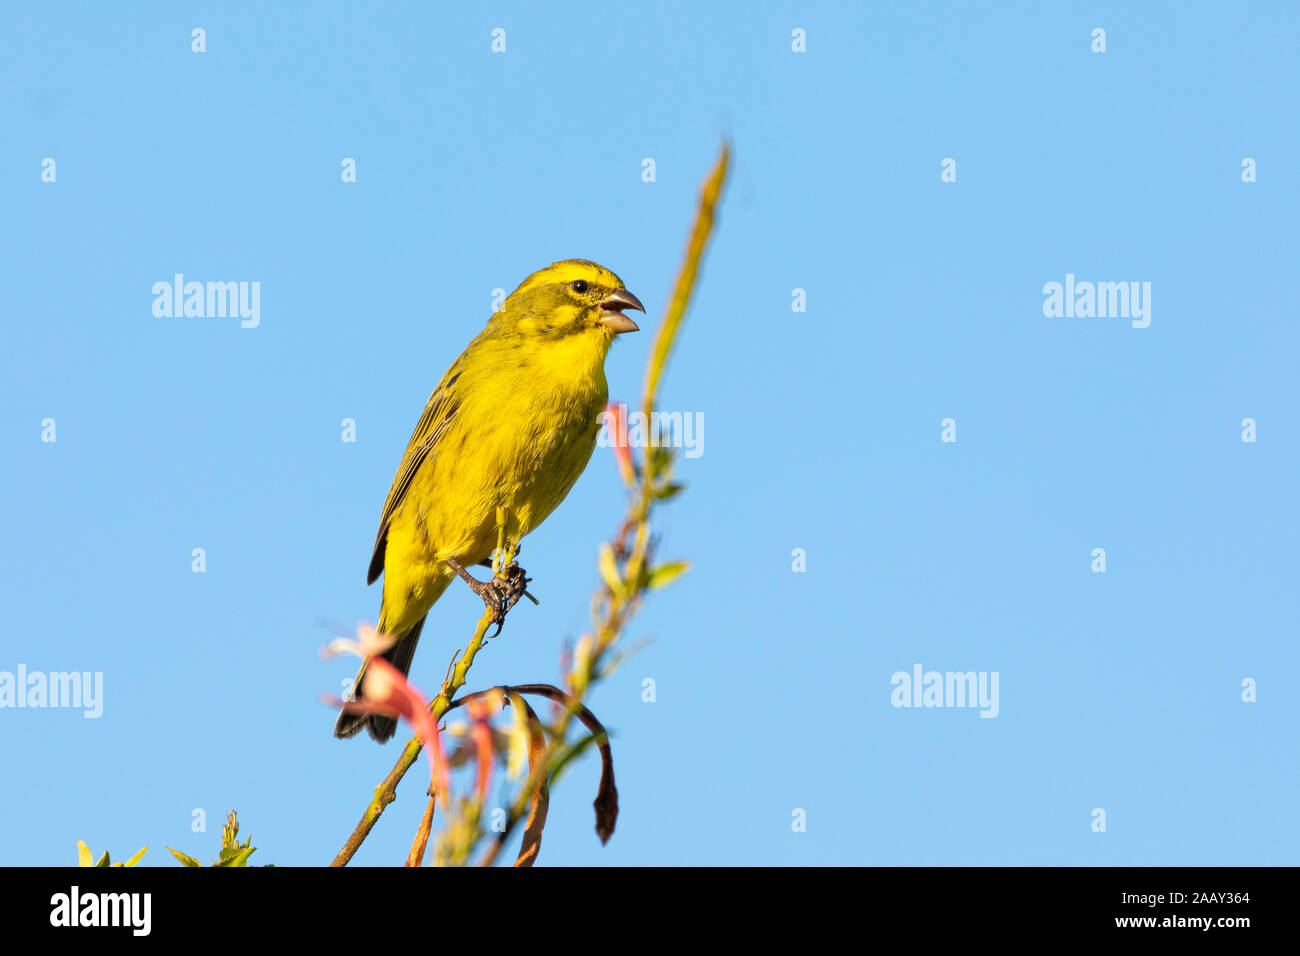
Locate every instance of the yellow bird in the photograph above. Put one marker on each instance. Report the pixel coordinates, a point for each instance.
(502, 439)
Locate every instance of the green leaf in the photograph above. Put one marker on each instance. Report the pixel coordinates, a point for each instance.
(135, 859)
(230, 831)
(682, 288)
(185, 860)
(609, 569)
(103, 860)
(665, 574)
(231, 856)
(670, 490)
(83, 855)
(659, 458)
(233, 853)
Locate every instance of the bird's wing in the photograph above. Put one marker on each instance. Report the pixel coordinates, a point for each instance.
(438, 413)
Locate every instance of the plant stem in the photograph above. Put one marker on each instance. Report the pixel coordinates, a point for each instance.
(416, 856)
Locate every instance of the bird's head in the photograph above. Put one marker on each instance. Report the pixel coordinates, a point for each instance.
(573, 297)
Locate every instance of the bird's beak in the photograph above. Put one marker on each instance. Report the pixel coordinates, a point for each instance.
(612, 316)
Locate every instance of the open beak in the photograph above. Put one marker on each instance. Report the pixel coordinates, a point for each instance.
(612, 316)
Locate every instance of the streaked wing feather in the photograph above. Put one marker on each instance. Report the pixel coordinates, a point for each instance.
(433, 424)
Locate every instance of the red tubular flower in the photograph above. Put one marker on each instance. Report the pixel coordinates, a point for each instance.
(622, 455)
(388, 692)
(480, 709)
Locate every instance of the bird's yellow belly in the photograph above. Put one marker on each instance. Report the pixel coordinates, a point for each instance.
(506, 460)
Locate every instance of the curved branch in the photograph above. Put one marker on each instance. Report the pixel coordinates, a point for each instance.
(606, 802)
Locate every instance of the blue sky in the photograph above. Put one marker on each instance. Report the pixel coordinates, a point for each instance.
(1119, 690)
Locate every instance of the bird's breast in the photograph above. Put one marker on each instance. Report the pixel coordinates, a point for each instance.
(524, 432)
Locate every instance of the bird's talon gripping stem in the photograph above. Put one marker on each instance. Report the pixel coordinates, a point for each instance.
(499, 593)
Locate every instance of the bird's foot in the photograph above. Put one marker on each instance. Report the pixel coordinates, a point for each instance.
(500, 593)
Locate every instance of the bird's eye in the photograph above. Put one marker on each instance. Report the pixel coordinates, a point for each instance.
(580, 286)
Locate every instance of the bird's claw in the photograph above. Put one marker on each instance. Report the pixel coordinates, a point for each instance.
(503, 593)
(500, 593)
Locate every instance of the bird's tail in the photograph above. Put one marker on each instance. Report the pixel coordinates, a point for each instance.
(381, 728)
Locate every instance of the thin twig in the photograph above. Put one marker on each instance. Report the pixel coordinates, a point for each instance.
(416, 856)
